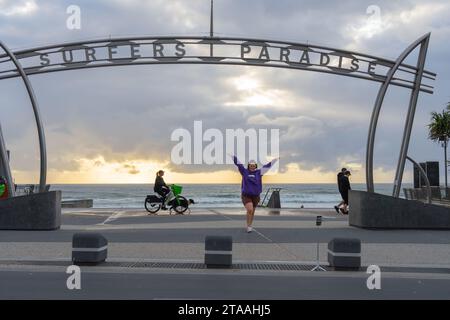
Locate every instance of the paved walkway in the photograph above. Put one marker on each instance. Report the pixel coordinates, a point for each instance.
(415, 263)
(284, 235)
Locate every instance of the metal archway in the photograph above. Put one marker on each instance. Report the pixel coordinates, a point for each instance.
(423, 42)
(42, 146)
(229, 51)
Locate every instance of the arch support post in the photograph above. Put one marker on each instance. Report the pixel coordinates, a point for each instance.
(423, 41)
(410, 118)
(5, 169)
(37, 116)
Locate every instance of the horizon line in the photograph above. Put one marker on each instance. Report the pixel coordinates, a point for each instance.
(194, 183)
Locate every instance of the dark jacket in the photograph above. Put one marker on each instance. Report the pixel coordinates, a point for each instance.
(344, 184)
(159, 184)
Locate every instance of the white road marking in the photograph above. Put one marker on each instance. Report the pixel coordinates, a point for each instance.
(116, 215)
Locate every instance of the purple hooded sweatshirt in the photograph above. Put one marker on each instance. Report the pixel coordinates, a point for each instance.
(251, 180)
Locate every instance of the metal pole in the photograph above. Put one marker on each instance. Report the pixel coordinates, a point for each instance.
(4, 165)
(445, 163)
(317, 253)
(211, 25)
(410, 118)
(37, 116)
(371, 134)
(211, 29)
(318, 267)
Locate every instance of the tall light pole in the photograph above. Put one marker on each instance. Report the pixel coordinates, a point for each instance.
(445, 161)
(444, 141)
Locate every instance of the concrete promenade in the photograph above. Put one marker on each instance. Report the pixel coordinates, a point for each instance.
(415, 263)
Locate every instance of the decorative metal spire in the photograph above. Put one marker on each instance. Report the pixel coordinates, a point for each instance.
(211, 29)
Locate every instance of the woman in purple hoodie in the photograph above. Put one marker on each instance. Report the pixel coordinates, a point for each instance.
(251, 186)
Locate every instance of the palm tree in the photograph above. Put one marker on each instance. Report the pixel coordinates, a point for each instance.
(439, 131)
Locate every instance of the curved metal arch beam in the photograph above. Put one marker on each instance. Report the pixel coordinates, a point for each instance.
(379, 102)
(424, 88)
(4, 165)
(37, 116)
(403, 83)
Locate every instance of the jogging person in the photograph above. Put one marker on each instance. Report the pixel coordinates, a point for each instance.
(345, 187)
(339, 175)
(251, 186)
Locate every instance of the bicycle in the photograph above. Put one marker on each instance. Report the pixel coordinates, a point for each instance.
(178, 203)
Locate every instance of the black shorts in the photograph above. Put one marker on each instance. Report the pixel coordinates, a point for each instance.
(344, 195)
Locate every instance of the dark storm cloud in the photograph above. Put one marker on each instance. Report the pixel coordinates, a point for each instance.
(129, 112)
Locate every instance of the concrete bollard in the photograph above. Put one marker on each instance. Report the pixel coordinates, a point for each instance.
(218, 251)
(89, 248)
(344, 253)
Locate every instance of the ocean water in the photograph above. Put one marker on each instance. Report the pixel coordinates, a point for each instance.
(210, 195)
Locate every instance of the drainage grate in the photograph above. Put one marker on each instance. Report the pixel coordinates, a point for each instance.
(169, 265)
(237, 266)
(174, 265)
(274, 266)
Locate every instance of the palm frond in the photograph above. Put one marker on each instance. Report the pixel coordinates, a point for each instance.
(439, 127)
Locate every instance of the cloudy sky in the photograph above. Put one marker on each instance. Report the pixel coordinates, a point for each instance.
(113, 125)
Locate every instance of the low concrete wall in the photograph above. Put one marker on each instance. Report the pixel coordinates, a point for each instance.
(373, 210)
(83, 203)
(39, 211)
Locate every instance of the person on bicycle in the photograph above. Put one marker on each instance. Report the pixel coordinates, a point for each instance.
(3, 188)
(161, 187)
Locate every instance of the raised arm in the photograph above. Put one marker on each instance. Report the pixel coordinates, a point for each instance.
(267, 167)
(239, 165)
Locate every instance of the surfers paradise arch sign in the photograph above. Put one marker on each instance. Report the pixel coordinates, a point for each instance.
(225, 51)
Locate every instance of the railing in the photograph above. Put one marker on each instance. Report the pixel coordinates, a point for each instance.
(23, 190)
(438, 194)
(269, 190)
(424, 175)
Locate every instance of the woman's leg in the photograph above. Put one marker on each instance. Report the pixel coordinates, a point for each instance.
(255, 202)
(346, 202)
(250, 212)
(163, 193)
(252, 216)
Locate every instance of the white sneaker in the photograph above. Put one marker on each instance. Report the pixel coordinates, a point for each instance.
(249, 229)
